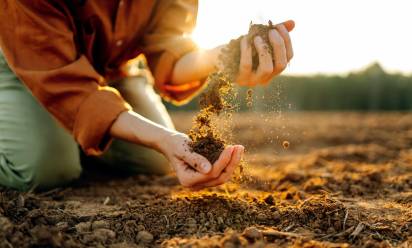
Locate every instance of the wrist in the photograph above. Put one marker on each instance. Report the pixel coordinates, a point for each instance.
(160, 141)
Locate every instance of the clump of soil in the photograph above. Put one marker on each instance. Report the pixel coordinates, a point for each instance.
(206, 138)
(230, 56)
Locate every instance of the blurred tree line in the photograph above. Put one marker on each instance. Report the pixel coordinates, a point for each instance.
(369, 90)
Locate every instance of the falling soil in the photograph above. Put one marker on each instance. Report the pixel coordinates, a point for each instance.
(345, 182)
(207, 139)
(249, 98)
(285, 144)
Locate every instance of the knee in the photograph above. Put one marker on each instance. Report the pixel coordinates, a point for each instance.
(39, 169)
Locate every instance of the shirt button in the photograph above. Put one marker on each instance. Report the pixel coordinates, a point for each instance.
(119, 43)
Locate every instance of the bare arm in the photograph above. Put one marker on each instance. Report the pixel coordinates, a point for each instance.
(192, 169)
(197, 65)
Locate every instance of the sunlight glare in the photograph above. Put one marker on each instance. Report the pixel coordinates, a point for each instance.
(330, 36)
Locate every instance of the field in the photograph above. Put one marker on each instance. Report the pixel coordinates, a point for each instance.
(311, 180)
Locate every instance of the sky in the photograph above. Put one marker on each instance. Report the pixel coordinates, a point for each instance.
(331, 36)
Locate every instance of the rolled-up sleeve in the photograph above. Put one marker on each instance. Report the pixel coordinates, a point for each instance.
(36, 38)
(166, 42)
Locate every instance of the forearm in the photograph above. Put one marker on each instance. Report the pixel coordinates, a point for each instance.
(132, 127)
(195, 65)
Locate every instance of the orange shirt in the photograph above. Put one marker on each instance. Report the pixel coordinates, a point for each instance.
(65, 52)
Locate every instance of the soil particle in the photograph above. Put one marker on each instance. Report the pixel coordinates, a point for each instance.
(42, 235)
(5, 225)
(83, 227)
(144, 237)
(249, 98)
(233, 240)
(252, 233)
(100, 224)
(269, 200)
(285, 144)
(103, 234)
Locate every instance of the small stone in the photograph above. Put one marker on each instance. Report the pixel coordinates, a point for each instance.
(5, 224)
(140, 227)
(62, 226)
(83, 227)
(220, 220)
(98, 224)
(105, 233)
(252, 233)
(191, 222)
(144, 237)
(20, 201)
(106, 201)
(276, 216)
(269, 200)
(261, 217)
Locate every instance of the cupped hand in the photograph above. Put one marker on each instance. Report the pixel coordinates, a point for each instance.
(195, 171)
(268, 66)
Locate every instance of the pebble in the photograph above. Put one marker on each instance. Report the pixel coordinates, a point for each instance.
(220, 220)
(103, 232)
(191, 222)
(98, 224)
(140, 227)
(5, 224)
(269, 200)
(62, 226)
(144, 237)
(276, 216)
(83, 227)
(261, 217)
(252, 233)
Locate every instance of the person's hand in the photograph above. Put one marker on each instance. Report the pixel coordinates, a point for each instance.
(268, 66)
(195, 171)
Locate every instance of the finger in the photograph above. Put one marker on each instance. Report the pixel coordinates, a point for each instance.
(265, 68)
(227, 173)
(279, 51)
(222, 162)
(187, 175)
(245, 66)
(286, 38)
(197, 162)
(289, 25)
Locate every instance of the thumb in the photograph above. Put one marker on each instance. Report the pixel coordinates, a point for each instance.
(289, 25)
(198, 162)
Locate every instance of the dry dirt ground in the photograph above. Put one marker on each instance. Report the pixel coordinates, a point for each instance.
(344, 180)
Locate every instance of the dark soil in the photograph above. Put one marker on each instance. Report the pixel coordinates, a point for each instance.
(345, 181)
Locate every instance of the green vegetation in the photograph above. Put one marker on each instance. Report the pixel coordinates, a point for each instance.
(369, 90)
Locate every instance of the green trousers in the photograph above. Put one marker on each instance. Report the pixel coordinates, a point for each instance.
(36, 152)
